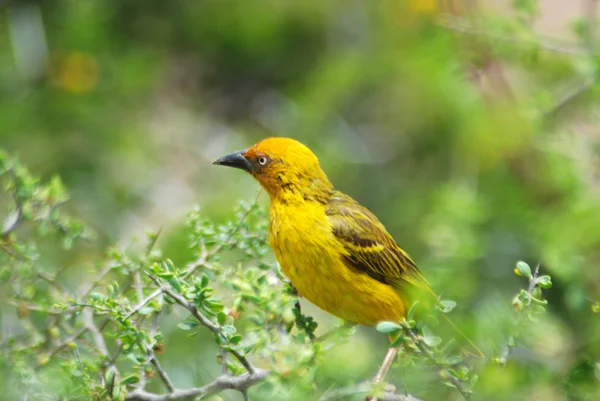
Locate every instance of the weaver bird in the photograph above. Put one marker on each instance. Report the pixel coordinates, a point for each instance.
(335, 252)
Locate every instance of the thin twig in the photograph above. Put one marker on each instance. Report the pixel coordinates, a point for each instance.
(143, 303)
(36, 308)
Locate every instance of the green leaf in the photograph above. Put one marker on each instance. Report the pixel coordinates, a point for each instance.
(96, 296)
(388, 327)
(131, 379)
(429, 338)
(113, 290)
(411, 311)
(517, 304)
(525, 297)
(544, 281)
(146, 310)
(229, 329)
(109, 376)
(174, 281)
(214, 306)
(454, 360)
(523, 269)
(446, 306)
(221, 318)
(432, 341)
(204, 281)
(188, 325)
(235, 339)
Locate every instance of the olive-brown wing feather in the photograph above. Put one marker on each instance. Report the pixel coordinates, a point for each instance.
(370, 249)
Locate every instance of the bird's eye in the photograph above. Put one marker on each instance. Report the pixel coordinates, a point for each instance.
(262, 160)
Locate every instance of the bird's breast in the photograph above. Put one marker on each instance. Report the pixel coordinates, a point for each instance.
(311, 258)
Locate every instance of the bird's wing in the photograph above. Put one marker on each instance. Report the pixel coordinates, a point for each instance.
(370, 249)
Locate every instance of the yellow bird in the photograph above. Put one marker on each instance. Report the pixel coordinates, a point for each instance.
(335, 252)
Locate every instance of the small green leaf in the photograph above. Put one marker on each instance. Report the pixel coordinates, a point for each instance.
(388, 327)
(544, 281)
(525, 297)
(113, 290)
(204, 281)
(174, 281)
(446, 306)
(411, 311)
(131, 379)
(188, 325)
(454, 360)
(115, 393)
(146, 310)
(109, 376)
(432, 341)
(517, 304)
(235, 339)
(229, 329)
(221, 318)
(96, 296)
(523, 269)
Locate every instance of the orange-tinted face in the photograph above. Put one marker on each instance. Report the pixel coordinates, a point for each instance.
(277, 164)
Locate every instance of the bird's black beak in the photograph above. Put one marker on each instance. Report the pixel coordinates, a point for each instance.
(236, 160)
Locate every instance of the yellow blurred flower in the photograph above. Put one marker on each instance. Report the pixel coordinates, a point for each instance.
(423, 6)
(75, 72)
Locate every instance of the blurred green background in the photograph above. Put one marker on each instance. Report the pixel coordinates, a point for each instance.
(467, 147)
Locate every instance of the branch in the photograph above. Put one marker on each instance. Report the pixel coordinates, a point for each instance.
(203, 321)
(224, 382)
(161, 372)
(97, 337)
(143, 303)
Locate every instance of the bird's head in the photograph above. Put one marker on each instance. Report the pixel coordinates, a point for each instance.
(285, 168)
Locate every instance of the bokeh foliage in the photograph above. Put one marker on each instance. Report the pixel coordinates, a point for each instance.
(472, 137)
